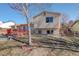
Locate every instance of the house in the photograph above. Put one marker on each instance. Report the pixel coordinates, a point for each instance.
(46, 23)
(4, 26)
(75, 26)
(20, 29)
(11, 28)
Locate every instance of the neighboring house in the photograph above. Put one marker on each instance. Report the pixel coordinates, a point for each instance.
(46, 23)
(5, 26)
(75, 26)
(20, 29)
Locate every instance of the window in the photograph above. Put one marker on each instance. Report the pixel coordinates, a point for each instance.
(48, 31)
(20, 28)
(39, 31)
(49, 19)
(24, 28)
(51, 31)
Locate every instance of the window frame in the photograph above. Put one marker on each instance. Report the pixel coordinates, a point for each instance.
(49, 19)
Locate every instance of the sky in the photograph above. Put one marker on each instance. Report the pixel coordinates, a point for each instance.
(9, 14)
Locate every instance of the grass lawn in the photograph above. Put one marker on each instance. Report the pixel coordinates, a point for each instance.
(11, 48)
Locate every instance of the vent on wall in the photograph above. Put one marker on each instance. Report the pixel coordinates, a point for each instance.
(44, 13)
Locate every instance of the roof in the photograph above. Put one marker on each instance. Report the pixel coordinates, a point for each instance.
(6, 24)
(74, 23)
(22, 25)
(46, 12)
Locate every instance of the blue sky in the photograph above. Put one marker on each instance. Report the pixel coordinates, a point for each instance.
(8, 14)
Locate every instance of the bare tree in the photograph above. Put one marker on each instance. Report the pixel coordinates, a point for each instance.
(24, 9)
(65, 19)
(70, 23)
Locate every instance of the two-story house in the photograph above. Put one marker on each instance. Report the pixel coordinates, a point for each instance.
(46, 23)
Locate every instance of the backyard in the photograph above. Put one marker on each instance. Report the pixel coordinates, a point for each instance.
(42, 46)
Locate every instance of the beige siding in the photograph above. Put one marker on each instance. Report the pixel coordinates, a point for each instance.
(56, 32)
(40, 21)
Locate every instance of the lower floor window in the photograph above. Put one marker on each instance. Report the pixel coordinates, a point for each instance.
(48, 31)
(51, 31)
(45, 31)
(39, 31)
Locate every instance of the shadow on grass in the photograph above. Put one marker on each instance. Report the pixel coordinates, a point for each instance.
(21, 41)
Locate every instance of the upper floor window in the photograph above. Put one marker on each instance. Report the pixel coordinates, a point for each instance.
(49, 19)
